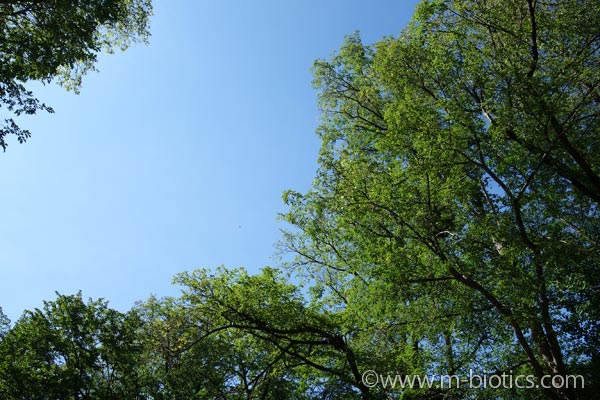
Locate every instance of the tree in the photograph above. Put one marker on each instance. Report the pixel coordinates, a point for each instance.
(43, 40)
(71, 350)
(192, 351)
(457, 193)
(259, 337)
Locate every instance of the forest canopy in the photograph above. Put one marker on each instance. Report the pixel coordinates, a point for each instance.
(453, 226)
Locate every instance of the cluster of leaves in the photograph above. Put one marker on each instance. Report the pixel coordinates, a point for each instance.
(43, 40)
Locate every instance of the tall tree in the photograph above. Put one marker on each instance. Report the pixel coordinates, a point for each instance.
(271, 344)
(458, 187)
(71, 349)
(197, 347)
(43, 40)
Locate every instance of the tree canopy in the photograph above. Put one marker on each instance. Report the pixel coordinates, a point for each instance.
(459, 170)
(43, 40)
(71, 349)
(453, 226)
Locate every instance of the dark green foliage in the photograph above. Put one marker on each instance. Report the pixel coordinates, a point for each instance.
(71, 350)
(42, 40)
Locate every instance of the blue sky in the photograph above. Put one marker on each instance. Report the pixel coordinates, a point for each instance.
(175, 155)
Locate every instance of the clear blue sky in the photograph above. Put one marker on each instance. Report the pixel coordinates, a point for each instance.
(175, 155)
